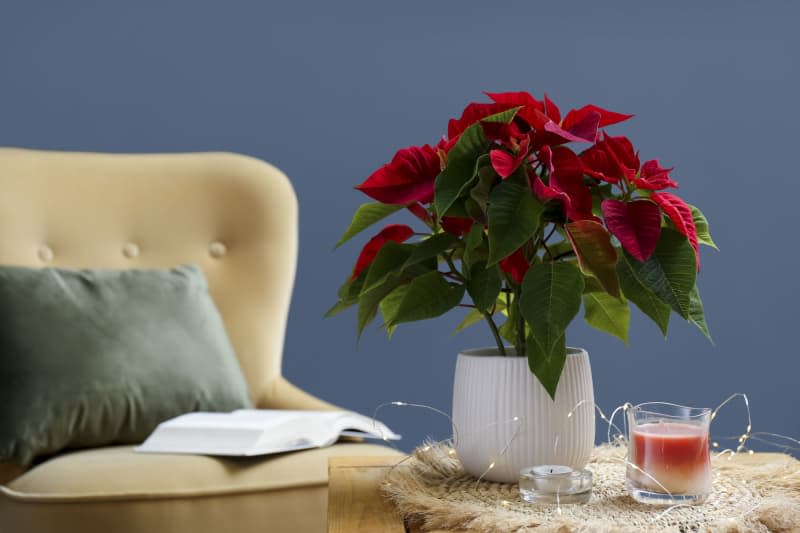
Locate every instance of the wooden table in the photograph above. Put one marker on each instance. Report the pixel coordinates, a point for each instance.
(355, 502)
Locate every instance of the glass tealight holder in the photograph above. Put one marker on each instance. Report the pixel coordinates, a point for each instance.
(555, 484)
(669, 461)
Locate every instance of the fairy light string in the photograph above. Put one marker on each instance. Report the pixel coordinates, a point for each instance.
(783, 442)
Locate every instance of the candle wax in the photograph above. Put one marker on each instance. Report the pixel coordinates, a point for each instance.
(552, 478)
(675, 454)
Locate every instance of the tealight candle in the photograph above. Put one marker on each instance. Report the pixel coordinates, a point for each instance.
(555, 484)
(668, 454)
(551, 478)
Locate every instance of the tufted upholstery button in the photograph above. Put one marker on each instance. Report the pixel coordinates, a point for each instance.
(45, 253)
(130, 250)
(217, 249)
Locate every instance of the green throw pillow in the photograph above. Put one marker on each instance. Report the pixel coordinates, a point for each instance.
(93, 357)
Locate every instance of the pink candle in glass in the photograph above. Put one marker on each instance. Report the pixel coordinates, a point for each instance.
(668, 454)
(675, 454)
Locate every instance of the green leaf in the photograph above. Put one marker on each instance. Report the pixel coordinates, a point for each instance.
(474, 210)
(670, 272)
(514, 216)
(483, 285)
(348, 295)
(607, 313)
(473, 317)
(504, 117)
(701, 223)
(461, 167)
(480, 192)
(383, 276)
(590, 284)
(390, 305)
(596, 255)
(697, 315)
(389, 260)
(430, 248)
(547, 365)
(462, 162)
(427, 296)
(365, 216)
(472, 241)
(338, 307)
(508, 330)
(650, 304)
(458, 209)
(368, 302)
(550, 299)
(474, 238)
(560, 248)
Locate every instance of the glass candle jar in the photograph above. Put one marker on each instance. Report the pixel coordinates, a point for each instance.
(668, 456)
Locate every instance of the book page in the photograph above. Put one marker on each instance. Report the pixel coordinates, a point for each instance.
(259, 431)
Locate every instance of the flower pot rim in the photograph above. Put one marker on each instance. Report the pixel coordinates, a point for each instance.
(492, 352)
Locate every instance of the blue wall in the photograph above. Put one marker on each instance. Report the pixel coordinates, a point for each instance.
(328, 91)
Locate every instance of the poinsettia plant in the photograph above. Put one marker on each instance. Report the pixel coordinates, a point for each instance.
(531, 214)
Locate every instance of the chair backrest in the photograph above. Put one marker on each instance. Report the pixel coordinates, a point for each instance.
(233, 215)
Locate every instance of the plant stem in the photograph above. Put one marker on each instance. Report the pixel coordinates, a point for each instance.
(495, 332)
(453, 270)
(487, 316)
(546, 249)
(552, 230)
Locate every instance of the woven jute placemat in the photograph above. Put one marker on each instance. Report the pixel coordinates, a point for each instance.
(432, 491)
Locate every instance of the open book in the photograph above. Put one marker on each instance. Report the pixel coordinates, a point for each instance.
(249, 432)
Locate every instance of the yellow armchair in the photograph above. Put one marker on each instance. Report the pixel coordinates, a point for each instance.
(236, 217)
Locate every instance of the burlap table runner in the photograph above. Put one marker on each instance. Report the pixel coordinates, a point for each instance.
(432, 490)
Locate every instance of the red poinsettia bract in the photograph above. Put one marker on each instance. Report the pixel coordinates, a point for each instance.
(680, 214)
(536, 139)
(392, 232)
(636, 224)
(408, 178)
(565, 182)
(506, 164)
(515, 265)
(458, 226)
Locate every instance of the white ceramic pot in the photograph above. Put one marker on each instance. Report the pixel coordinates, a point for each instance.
(503, 416)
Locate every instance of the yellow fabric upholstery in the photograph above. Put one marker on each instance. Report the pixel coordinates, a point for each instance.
(236, 217)
(116, 489)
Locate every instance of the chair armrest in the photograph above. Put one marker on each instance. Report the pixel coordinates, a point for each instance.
(281, 394)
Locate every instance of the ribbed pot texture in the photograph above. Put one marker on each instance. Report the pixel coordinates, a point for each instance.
(504, 420)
